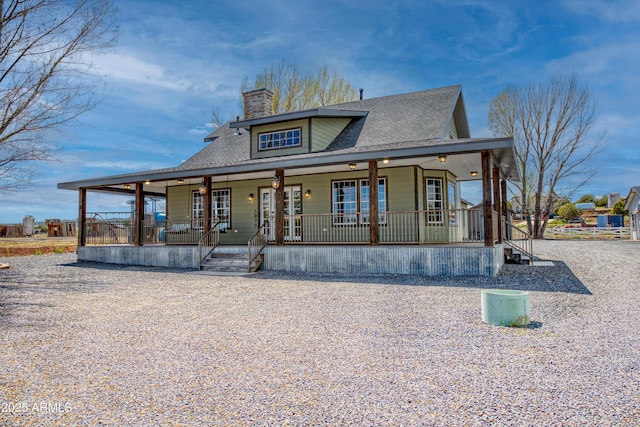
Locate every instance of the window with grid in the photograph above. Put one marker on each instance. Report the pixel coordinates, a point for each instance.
(382, 201)
(344, 204)
(348, 195)
(220, 207)
(434, 201)
(279, 139)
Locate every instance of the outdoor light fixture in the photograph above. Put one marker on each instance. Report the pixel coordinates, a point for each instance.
(442, 158)
(385, 161)
(181, 181)
(127, 187)
(147, 182)
(202, 189)
(251, 197)
(308, 194)
(352, 166)
(474, 173)
(275, 182)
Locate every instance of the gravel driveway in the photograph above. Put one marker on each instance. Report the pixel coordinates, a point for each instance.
(90, 344)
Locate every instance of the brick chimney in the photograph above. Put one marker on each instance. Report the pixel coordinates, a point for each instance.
(257, 103)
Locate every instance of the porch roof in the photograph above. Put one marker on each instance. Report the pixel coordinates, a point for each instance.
(407, 129)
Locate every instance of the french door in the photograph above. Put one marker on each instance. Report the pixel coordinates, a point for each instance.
(292, 212)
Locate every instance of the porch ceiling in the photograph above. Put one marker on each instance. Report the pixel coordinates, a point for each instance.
(462, 158)
(460, 165)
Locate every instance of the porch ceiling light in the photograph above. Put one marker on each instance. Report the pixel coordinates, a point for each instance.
(181, 181)
(442, 158)
(275, 182)
(385, 161)
(307, 194)
(202, 189)
(250, 197)
(147, 182)
(127, 187)
(352, 166)
(474, 173)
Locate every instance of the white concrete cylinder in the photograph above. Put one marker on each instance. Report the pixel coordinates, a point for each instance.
(503, 307)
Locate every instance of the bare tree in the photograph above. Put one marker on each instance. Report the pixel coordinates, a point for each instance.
(45, 75)
(294, 89)
(552, 125)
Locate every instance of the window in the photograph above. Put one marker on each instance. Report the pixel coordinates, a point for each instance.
(451, 202)
(434, 201)
(280, 139)
(364, 201)
(347, 195)
(345, 202)
(220, 207)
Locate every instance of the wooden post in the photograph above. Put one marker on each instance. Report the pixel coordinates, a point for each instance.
(279, 219)
(505, 210)
(82, 215)
(497, 206)
(486, 198)
(207, 204)
(139, 215)
(373, 202)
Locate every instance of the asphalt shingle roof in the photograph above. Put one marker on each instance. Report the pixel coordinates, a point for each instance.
(391, 121)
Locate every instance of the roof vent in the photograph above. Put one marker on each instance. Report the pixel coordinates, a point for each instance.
(361, 94)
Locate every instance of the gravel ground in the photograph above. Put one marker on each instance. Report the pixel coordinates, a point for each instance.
(90, 344)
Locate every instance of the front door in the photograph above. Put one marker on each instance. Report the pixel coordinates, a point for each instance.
(292, 212)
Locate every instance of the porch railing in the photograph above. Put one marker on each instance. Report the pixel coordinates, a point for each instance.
(395, 227)
(208, 242)
(256, 244)
(518, 239)
(108, 228)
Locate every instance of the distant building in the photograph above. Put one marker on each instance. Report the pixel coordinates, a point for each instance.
(612, 199)
(586, 206)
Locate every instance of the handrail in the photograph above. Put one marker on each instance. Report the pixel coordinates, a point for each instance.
(259, 241)
(208, 242)
(518, 239)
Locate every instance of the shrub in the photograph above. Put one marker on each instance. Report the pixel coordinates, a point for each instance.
(569, 211)
(618, 208)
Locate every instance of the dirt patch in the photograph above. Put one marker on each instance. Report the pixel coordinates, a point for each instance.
(17, 251)
(36, 246)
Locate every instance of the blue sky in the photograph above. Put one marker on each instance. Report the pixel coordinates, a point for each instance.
(176, 61)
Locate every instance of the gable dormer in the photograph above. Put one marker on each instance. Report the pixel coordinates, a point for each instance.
(287, 134)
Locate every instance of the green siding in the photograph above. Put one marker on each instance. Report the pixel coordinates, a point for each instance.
(401, 193)
(451, 130)
(304, 134)
(324, 131)
(179, 201)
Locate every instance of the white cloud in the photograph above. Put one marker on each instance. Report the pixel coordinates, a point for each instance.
(203, 130)
(131, 69)
(616, 11)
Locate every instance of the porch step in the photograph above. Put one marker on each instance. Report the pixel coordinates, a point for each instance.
(230, 262)
(513, 256)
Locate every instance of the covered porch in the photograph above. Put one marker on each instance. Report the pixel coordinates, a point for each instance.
(295, 214)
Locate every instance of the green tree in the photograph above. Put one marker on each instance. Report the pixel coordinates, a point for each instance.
(569, 211)
(294, 89)
(602, 201)
(45, 75)
(587, 198)
(618, 208)
(552, 124)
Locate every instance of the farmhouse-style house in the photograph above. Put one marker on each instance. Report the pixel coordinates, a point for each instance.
(370, 186)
